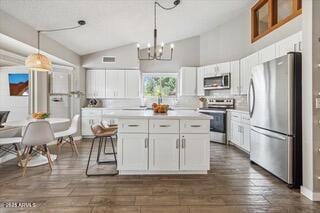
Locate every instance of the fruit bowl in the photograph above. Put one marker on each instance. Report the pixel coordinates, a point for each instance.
(40, 115)
(160, 108)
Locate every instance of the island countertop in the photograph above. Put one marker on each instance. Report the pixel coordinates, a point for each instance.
(149, 114)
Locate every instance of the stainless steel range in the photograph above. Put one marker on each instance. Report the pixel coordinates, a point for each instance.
(217, 109)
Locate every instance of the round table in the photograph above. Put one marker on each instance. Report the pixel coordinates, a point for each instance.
(38, 159)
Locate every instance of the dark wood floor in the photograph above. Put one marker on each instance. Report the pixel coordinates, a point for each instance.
(233, 185)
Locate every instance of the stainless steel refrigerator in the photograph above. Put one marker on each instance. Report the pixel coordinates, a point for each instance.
(275, 117)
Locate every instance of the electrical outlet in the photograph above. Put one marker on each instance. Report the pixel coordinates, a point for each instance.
(317, 103)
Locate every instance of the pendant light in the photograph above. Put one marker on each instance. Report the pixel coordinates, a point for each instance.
(155, 55)
(38, 61)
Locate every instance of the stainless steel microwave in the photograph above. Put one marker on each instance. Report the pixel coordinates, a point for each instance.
(217, 82)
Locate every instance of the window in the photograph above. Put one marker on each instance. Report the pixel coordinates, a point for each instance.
(159, 84)
(268, 15)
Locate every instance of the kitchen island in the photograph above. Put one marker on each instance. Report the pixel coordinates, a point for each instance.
(177, 142)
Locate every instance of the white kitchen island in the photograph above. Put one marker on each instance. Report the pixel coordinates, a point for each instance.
(174, 143)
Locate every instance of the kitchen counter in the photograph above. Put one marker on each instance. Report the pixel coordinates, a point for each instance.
(149, 114)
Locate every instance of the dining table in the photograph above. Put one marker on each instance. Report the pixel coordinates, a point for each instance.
(37, 159)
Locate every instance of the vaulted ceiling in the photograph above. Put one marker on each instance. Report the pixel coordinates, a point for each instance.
(114, 23)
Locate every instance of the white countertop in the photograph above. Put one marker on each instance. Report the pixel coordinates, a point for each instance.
(134, 108)
(238, 110)
(149, 114)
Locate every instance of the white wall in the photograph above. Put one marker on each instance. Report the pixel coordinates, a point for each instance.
(126, 58)
(232, 40)
(186, 53)
(17, 105)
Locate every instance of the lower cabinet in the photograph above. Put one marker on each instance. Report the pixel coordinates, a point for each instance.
(164, 152)
(194, 152)
(133, 151)
(87, 122)
(240, 130)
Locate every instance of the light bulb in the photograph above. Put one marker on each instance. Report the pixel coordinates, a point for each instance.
(172, 46)
(149, 45)
(138, 45)
(160, 50)
(162, 44)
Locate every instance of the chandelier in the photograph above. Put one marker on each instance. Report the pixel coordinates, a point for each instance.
(40, 62)
(155, 55)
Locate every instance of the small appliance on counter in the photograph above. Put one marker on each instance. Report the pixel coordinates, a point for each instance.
(217, 109)
(94, 103)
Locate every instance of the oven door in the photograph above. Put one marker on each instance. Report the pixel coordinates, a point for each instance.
(218, 121)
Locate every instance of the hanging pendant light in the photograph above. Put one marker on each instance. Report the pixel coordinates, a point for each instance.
(40, 62)
(155, 55)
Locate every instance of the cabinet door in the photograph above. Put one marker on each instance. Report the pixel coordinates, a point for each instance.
(223, 68)
(132, 151)
(87, 122)
(188, 81)
(235, 137)
(132, 83)
(164, 152)
(292, 43)
(267, 54)
(90, 81)
(200, 77)
(100, 83)
(115, 83)
(235, 77)
(244, 67)
(194, 152)
(246, 137)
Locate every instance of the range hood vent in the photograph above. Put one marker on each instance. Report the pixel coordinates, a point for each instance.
(108, 59)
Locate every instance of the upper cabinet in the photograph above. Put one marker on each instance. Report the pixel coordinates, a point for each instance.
(292, 43)
(267, 54)
(235, 77)
(246, 65)
(200, 77)
(113, 84)
(188, 81)
(95, 84)
(132, 83)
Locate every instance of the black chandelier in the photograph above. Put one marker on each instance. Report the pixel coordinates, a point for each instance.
(154, 55)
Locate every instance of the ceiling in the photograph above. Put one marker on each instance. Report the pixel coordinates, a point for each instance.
(114, 23)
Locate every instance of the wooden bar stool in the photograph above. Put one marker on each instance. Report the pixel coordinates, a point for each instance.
(102, 134)
(110, 127)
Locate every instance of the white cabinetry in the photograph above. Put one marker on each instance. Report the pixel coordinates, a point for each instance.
(188, 81)
(133, 151)
(89, 118)
(267, 54)
(235, 77)
(292, 43)
(132, 85)
(164, 152)
(223, 68)
(194, 152)
(246, 65)
(240, 130)
(115, 84)
(200, 77)
(96, 84)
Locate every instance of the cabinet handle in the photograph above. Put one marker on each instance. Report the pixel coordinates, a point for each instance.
(295, 47)
(300, 48)
(146, 143)
(165, 125)
(133, 125)
(178, 143)
(195, 126)
(183, 143)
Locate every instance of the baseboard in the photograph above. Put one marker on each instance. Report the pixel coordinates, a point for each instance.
(314, 196)
(7, 158)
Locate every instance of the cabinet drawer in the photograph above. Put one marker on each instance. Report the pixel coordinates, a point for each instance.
(164, 126)
(194, 126)
(133, 126)
(235, 116)
(245, 118)
(91, 112)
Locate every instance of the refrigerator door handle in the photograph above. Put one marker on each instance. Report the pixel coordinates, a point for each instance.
(251, 105)
(268, 135)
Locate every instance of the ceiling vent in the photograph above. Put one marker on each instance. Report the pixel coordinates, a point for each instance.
(108, 59)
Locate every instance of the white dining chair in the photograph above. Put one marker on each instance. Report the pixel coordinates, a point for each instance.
(66, 136)
(37, 134)
(11, 146)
